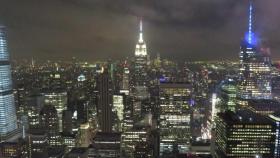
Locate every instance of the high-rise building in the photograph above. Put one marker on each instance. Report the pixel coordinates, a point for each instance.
(140, 76)
(8, 120)
(84, 135)
(132, 138)
(128, 113)
(82, 110)
(227, 95)
(106, 145)
(67, 121)
(34, 105)
(69, 140)
(244, 134)
(141, 60)
(118, 109)
(38, 144)
(49, 122)
(105, 100)
(255, 66)
(276, 118)
(58, 99)
(125, 85)
(174, 119)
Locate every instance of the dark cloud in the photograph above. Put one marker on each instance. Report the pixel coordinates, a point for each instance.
(99, 29)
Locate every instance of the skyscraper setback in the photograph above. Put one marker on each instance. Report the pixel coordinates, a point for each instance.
(8, 121)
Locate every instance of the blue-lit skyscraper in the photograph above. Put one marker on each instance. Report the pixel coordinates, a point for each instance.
(255, 66)
(8, 121)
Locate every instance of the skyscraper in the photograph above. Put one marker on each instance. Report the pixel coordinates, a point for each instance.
(50, 123)
(174, 119)
(58, 99)
(105, 101)
(140, 76)
(141, 61)
(8, 120)
(255, 66)
(244, 134)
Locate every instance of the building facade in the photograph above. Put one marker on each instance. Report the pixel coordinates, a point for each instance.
(8, 120)
(174, 119)
(244, 134)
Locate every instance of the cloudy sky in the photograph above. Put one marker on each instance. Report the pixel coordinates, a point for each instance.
(101, 29)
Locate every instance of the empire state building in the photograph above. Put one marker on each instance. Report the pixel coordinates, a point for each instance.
(141, 60)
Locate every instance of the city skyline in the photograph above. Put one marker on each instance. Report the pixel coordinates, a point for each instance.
(146, 104)
(97, 30)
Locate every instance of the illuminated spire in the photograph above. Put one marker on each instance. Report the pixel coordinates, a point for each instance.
(250, 32)
(141, 32)
(141, 45)
(250, 36)
(141, 25)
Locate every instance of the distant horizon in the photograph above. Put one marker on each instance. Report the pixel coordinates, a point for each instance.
(190, 30)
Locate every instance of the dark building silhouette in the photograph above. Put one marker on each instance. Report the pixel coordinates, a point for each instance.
(105, 100)
(49, 123)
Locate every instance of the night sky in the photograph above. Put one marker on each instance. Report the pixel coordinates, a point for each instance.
(101, 29)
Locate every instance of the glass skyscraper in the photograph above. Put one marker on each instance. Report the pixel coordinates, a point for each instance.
(255, 81)
(8, 121)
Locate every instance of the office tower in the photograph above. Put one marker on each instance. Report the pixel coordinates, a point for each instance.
(35, 103)
(8, 120)
(21, 94)
(38, 144)
(12, 149)
(275, 84)
(125, 85)
(255, 67)
(244, 134)
(128, 113)
(82, 110)
(49, 122)
(105, 145)
(69, 140)
(174, 119)
(58, 99)
(276, 118)
(227, 95)
(105, 100)
(67, 121)
(118, 112)
(201, 84)
(264, 107)
(84, 135)
(138, 135)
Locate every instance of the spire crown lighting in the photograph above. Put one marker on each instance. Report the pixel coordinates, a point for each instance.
(141, 32)
(250, 36)
(141, 49)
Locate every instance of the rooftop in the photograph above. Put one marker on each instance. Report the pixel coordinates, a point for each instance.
(244, 116)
